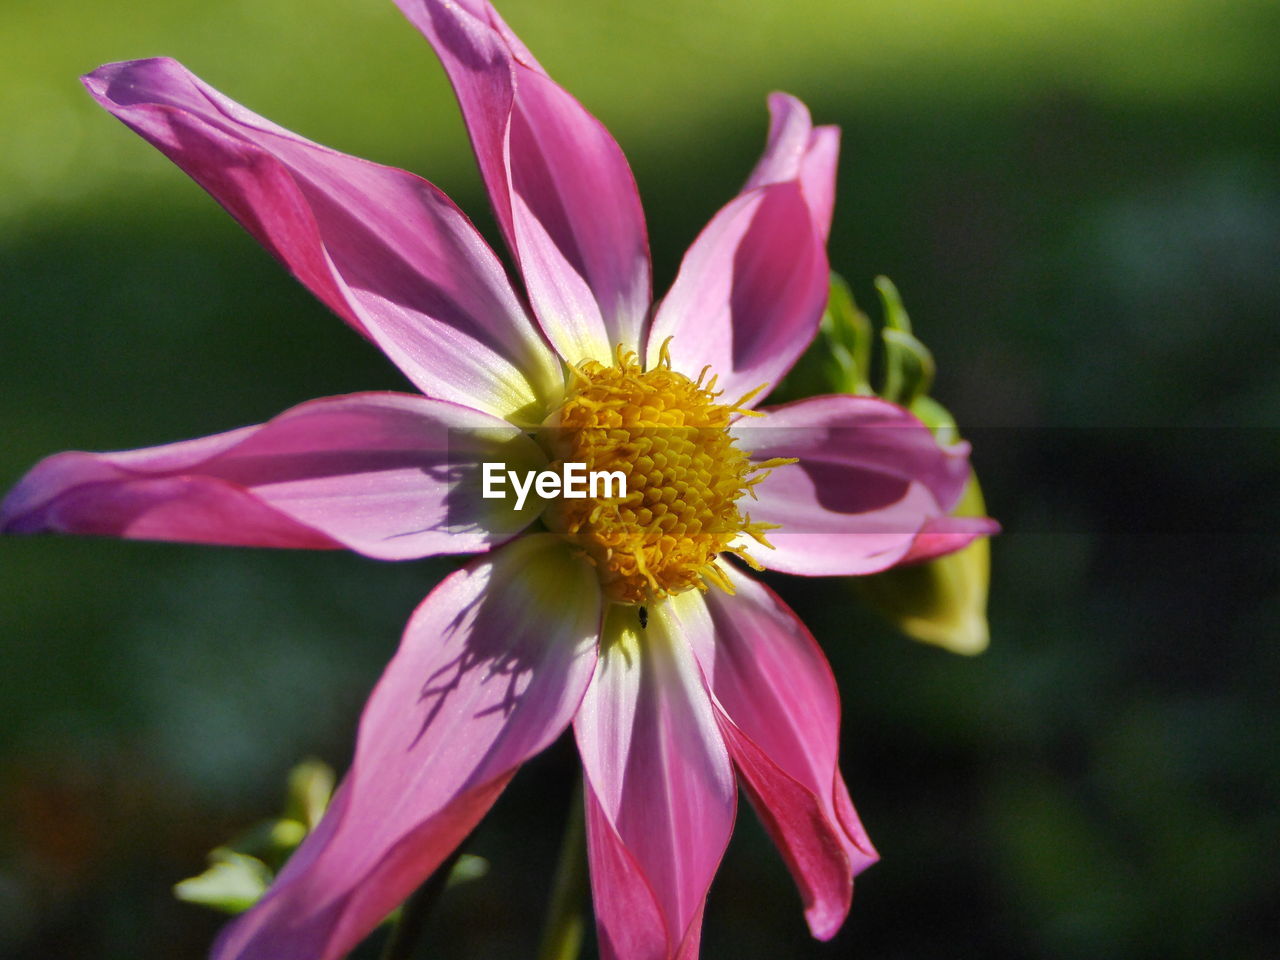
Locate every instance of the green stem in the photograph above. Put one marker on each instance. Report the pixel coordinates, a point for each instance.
(413, 914)
(566, 914)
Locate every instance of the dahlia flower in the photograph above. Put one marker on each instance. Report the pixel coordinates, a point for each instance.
(679, 672)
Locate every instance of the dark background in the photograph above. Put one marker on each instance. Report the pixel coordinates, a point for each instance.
(1080, 203)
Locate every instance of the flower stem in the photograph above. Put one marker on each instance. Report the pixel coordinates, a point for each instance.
(566, 914)
(413, 914)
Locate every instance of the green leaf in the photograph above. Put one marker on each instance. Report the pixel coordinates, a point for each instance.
(310, 787)
(270, 840)
(240, 871)
(233, 883)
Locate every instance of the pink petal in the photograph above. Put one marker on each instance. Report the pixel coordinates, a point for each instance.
(490, 671)
(629, 922)
(390, 475)
(870, 478)
(752, 288)
(943, 535)
(798, 150)
(779, 711)
(560, 185)
(384, 249)
(661, 795)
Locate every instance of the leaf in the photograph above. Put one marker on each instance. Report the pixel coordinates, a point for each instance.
(310, 787)
(233, 883)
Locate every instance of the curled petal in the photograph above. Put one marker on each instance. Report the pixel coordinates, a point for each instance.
(386, 250)
(491, 669)
(389, 475)
(796, 150)
(560, 185)
(661, 795)
(752, 288)
(870, 479)
(779, 711)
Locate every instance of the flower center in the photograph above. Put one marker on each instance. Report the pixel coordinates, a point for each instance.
(670, 438)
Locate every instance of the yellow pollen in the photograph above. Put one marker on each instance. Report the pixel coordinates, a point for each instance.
(669, 436)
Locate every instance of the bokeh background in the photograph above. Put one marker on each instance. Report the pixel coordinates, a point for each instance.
(1079, 200)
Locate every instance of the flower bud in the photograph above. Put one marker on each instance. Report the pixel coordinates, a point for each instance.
(942, 601)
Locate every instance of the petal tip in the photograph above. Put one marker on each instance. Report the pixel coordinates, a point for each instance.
(103, 81)
(779, 101)
(825, 922)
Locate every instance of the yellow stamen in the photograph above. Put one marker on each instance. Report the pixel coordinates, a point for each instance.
(670, 437)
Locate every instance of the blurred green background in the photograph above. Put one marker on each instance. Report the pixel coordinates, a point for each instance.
(1080, 203)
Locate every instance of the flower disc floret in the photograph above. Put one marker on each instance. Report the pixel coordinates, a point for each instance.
(685, 477)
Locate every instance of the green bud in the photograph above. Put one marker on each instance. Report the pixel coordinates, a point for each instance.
(943, 601)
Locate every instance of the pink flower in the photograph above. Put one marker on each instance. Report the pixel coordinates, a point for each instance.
(545, 628)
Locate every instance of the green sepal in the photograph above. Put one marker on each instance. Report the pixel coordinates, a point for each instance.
(840, 356)
(847, 332)
(937, 418)
(908, 364)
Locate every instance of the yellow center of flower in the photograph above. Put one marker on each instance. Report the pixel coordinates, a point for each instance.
(685, 478)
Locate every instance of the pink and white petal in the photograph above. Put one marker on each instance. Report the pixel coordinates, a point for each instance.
(752, 288)
(796, 150)
(870, 477)
(384, 249)
(749, 294)
(661, 791)
(817, 176)
(392, 476)
(779, 711)
(561, 188)
(491, 669)
(629, 922)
